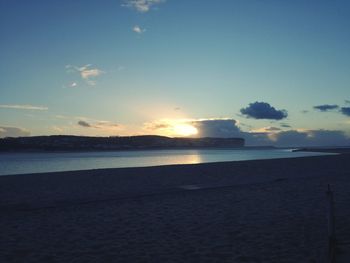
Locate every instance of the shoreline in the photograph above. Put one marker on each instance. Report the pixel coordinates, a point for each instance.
(35, 188)
(171, 165)
(340, 150)
(132, 163)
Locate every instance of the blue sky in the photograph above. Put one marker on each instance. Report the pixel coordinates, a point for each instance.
(169, 67)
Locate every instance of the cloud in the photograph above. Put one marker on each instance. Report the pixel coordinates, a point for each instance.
(13, 132)
(263, 110)
(73, 85)
(285, 125)
(227, 127)
(326, 107)
(84, 124)
(141, 6)
(347, 101)
(272, 129)
(158, 125)
(223, 128)
(310, 138)
(194, 127)
(345, 111)
(297, 138)
(266, 129)
(106, 125)
(22, 107)
(57, 129)
(87, 73)
(137, 29)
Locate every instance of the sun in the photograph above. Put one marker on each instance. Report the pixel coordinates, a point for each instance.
(185, 130)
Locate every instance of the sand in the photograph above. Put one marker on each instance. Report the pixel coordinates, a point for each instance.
(249, 211)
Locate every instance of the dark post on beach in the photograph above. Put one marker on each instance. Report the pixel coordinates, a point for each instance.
(331, 226)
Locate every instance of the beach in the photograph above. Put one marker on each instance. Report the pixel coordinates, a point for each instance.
(246, 211)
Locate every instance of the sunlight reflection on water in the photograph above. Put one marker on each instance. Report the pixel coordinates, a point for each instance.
(20, 163)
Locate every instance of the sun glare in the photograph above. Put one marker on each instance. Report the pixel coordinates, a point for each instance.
(185, 129)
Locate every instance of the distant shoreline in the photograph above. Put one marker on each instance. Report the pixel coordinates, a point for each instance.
(340, 150)
(84, 143)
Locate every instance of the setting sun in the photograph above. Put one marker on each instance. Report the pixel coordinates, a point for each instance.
(185, 130)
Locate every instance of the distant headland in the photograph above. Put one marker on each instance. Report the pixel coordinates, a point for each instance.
(84, 143)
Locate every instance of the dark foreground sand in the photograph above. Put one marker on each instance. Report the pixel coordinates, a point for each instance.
(250, 211)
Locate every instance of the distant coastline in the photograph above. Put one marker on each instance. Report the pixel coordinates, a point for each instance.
(68, 143)
(341, 150)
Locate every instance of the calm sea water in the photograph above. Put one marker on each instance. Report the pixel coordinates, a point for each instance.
(22, 163)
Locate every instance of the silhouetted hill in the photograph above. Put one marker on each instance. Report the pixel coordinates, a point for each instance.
(84, 143)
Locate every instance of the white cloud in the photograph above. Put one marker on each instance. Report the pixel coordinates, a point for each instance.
(86, 72)
(137, 29)
(23, 107)
(84, 118)
(268, 129)
(217, 127)
(141, 6)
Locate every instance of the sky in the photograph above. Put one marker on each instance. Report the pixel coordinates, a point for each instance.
(274, 72)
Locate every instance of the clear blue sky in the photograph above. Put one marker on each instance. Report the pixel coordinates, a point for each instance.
(148, 66)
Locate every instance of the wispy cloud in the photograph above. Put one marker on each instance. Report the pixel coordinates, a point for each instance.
(98, 124)
(268, 129)
(326, 107)
(137, 29)
(86, 72)
(22, 107)
(67, 117)
(13, 132)
(141, 6)
(73, 85)
(285, 125)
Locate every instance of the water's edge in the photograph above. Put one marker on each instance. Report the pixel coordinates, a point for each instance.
(24, 163)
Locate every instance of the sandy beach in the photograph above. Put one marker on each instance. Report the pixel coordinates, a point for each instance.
(248, 211)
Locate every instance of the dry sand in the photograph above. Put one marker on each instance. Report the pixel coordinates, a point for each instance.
(249, 211)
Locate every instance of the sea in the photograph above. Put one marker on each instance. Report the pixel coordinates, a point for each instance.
(25, 163)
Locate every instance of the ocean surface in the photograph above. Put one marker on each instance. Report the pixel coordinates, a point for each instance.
(23, 163)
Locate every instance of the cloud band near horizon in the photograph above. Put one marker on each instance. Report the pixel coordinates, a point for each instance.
(23, 107)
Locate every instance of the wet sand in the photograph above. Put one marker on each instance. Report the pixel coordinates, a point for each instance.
(249, 211)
